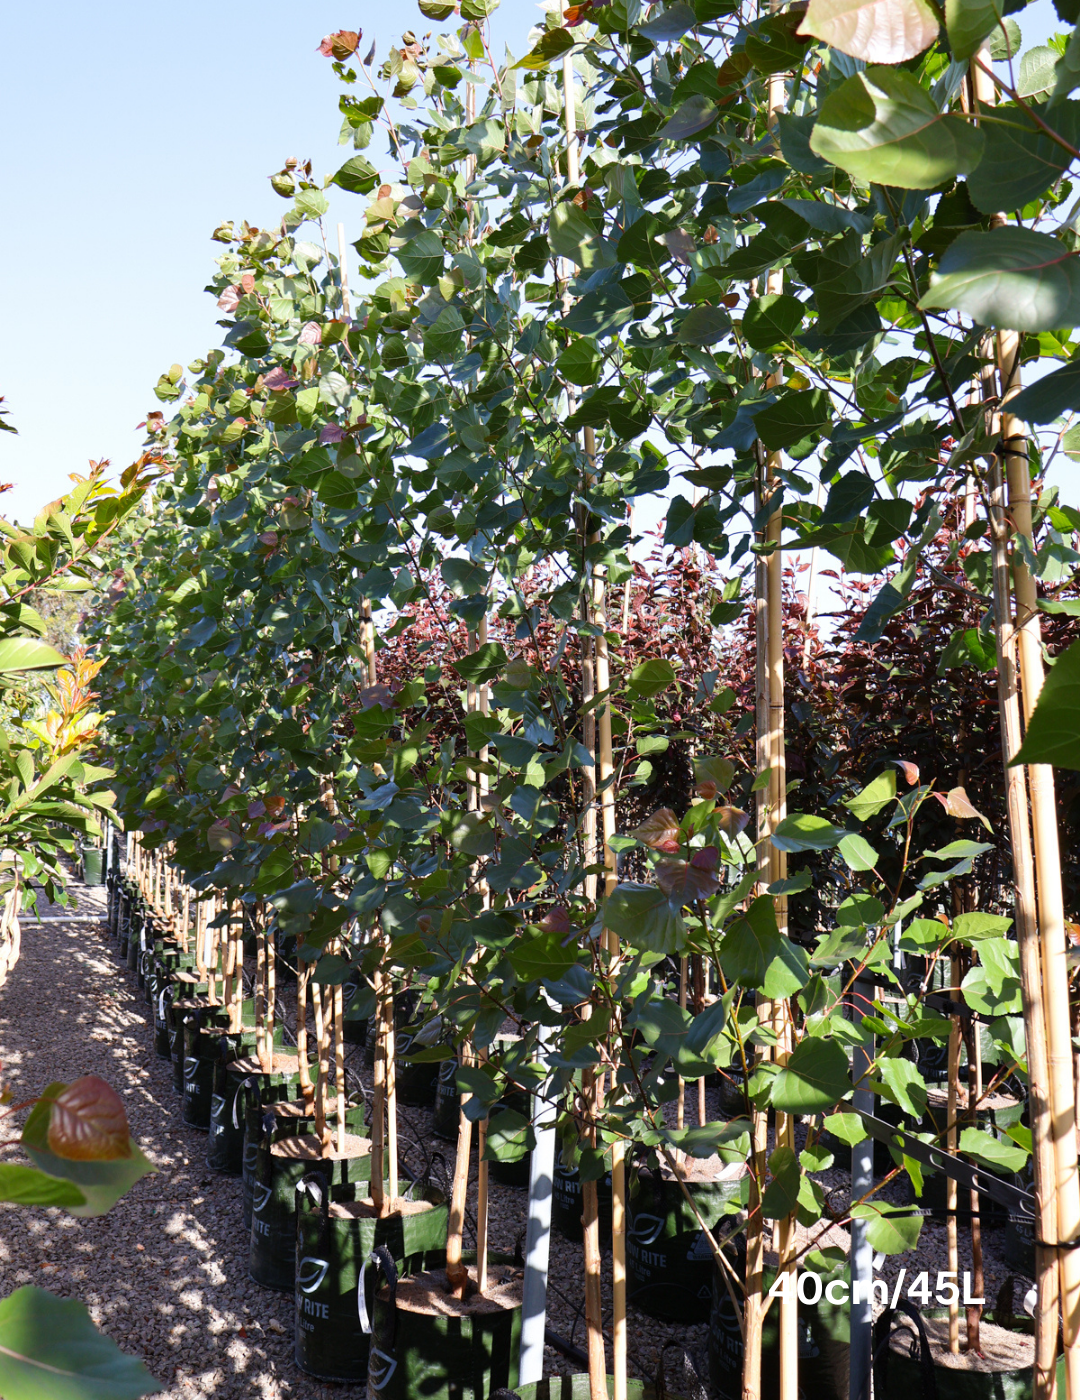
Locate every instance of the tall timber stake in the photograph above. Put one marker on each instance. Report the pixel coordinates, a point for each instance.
(1050, 903)
(772, 866)
(1043, 964)
(592, 1083)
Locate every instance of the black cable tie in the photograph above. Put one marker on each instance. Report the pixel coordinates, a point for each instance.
(1062, 1244)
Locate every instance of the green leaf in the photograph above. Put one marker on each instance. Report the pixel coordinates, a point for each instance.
(703, 325)
(968, 22)
(1036, 71)
(750, 945)
(650, 677)
(25, 1186)
(1005, 42)
(553, 44)
(794, 416)
(574, 236)
(772, 320)
(848, 1127)
(1020, 161)
(858, 852)
(877, 31)
(102, 1183)
(984, 1147)
(874, 797)
(814, 1078)
(1049, 397)
(694, 115)
(669, 24)
(481, 665)
(1009, 277)
(358, 176)
(421, 258)
(28, 654)
(471, 833)
(1067, 72)
(788, 972)
(804, 832)
(642, 915)
(906, 1086)
(1053, 735)
(541, 956)
(889, 1229)
(580, 362)
(881, 126)
(782, 1192)
(51, 1350)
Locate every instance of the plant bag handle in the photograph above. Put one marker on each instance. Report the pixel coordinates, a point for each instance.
(267, 1130)
(381, 1257)
(883, 1329)
(317, 1187)
(236, 1099)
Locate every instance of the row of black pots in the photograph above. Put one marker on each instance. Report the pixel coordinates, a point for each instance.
(309, 1229)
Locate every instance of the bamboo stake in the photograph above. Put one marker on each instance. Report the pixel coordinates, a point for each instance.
(952, 1241)
(212, 951)
(481, 1208)
(974, 1310)
(590, 1224)
(378, 1104)
(606, 766)
(772, 864)
(457, 1275)
(186, 921)
(339, 1064)
(271, 990)
(322, 1132)
(1035, 973)
(391, 1088)
(477, 703)
(680, 1109)
(302, 975)
(1050, 903)
(593, 1320)
(1040, 909)
(265, 1056)
(200, 939)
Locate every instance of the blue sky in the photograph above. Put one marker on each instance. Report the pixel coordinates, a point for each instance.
(133, 131)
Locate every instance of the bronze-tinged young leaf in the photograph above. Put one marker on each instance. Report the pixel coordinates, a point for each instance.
(877, 31)
(909, 770)
(660, 831)
(689, 881)
(88, 1122)
(340, 45)
(957, 803)
(732, 820)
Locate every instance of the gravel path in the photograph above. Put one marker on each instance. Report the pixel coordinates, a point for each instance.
(165, 1272)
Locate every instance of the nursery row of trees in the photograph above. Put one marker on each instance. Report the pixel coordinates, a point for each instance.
(388, 650)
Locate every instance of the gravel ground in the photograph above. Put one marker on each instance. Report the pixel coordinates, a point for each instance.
(165, 1272)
